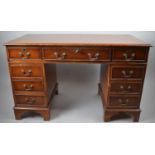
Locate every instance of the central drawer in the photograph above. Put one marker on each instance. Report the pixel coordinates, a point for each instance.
(77, 53)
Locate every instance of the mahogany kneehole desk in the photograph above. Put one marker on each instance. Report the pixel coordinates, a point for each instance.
(32, 63)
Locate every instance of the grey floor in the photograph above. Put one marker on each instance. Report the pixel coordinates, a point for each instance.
(78, 101)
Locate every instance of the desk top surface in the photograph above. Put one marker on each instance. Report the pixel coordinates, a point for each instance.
(77, 40)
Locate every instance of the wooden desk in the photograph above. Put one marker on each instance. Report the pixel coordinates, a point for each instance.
(32, 63)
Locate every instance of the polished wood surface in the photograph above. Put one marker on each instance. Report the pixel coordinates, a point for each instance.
(24, 53)
(128, 72)
(32, 63)
(28, 85)
(23, 100)
(125, 87)
(26, 70)
(136, 54)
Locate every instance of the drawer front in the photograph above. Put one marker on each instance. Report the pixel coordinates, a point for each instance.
(77, 53)
(125, 87)
(24, 53)
(128, 72)
(22, 100)
(28, 86)
(26, 71)
(138, 54)
(124, 101)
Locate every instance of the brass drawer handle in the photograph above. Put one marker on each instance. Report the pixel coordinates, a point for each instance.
(123, 102)
(20, 54)
(77, 50)
(24, 55)
(91, 58)
(61, 57)
(27, 54)
(129, 88)
(120, 101)
(28, 73)
(121, 87)
(127, 74)
(28, 88)
(125, 89)
(30, 100)
(129, 57)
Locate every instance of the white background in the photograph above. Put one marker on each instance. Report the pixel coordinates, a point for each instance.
(92, 15)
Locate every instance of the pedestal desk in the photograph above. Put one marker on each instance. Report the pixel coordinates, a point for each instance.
(32, 63)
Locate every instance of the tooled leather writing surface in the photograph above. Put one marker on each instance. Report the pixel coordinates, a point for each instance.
(78, 40)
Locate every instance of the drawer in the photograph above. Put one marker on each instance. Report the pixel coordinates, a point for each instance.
(28, 85)
(138, 54)
(77, 53)
(23, 100)
(125, 87)
(128, 72)
(124, 101)
(24, 53)
(26, 70)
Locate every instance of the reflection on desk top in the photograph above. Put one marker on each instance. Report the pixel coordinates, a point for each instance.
(77, 40)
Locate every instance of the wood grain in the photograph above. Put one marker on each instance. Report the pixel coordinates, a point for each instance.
(123, 60)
